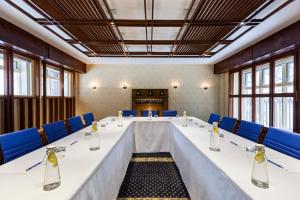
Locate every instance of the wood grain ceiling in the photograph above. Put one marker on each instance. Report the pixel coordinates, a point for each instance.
(205, 29)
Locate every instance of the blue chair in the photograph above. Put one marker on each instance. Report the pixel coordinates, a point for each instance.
(55, 131)
(128, 113)
(154, 112)
(75, 124)
(213, 118)
(228, 123)
(170, 113)
(19, 143)
(249, 130)
(88, 118)
(283, 141)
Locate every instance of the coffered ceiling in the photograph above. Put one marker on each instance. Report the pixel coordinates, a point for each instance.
(149, 28)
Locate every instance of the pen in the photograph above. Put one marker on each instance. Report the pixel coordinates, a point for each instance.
(274, 163)
(74, 142)
(33, 166)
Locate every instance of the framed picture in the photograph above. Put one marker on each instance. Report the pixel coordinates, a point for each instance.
(162, 93)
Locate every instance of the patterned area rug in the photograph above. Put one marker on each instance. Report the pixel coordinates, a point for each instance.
(152, 176)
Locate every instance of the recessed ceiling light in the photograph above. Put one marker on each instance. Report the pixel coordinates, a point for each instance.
(112, 23)
(242, 23)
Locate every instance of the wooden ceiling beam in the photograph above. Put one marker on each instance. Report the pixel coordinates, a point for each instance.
(154, 42)
(142, 23)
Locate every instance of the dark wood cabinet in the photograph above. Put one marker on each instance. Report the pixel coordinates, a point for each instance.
(150, 99)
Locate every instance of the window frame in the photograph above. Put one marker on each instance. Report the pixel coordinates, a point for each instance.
(29, 59)
(271, 95)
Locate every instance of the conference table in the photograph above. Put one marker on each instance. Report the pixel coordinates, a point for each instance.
(98, 174)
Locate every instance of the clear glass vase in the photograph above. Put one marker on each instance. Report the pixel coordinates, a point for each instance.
(215, 138)
(259, 170)
(120, 119)
(94, 138)
(52, 175)
(149, 114)
(185, 119)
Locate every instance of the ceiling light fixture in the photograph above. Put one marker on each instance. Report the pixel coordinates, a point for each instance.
(112, 23)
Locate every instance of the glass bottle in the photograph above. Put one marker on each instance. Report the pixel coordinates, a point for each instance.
(52, 175)
(120, 118)
(259, 170)
(215, 138)
(95, 138)
(185, 119)
(149, 114)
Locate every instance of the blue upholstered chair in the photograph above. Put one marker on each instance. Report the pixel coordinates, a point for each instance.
(128, 113)
(170, 113)
(249, 130)
(88, 118)
(55, 131)
(283, 141)
(154, 112)
(19, 143)
(75, 124)
(213, 118)
(228, 123)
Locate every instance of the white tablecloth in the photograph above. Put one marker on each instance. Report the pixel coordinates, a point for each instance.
(98, 175)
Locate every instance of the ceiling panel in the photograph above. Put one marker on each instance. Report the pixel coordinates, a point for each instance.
(129, 9)
(171, 9)
(161, 48)
(133, 33)
(165, 33)
(137, 48)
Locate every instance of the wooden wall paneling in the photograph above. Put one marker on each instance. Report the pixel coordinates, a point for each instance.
(297, 88)
(50, 109)
(44, 85)
(55, 107)
(61, 99)
(22, 114)
(9, 90)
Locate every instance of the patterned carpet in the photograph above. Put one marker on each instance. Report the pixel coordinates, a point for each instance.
(152, 176)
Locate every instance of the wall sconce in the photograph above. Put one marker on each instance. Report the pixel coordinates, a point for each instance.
(175, 86)
(94, 87)
(124, 86)
(205, 87)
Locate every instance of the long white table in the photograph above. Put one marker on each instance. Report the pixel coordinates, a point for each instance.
(99, 174)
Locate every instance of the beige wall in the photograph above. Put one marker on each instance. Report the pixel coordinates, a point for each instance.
(109, 97)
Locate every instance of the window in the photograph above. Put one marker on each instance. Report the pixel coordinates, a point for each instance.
(247, 109)
(262, 109)
(235, 108)
(276, 102)
(22, 76)
(1, 73)
(284, 75)
(283, 112)
(262, 79)
(235, 83)
(247, 81)
(53, 82)
(67, 84)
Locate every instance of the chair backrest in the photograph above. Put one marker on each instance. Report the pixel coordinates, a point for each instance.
(128, 113)
(228, 123)
(55, 131)
(19, 143)
(283, 141)
(88, 118)
(154, 112)
(75, 124)
(170, 113)
(213, 118)
(249, 130)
